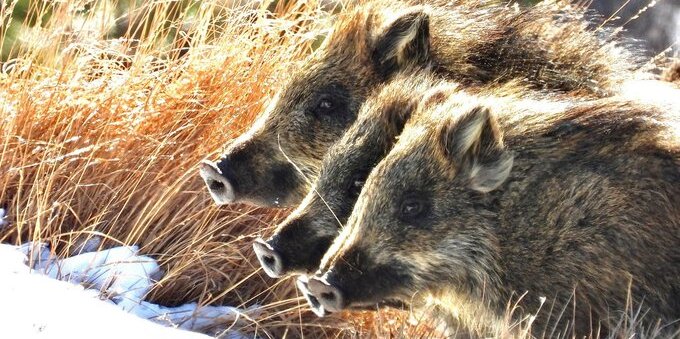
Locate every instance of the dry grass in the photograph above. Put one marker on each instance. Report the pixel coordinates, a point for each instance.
(102, 137)
(100, 140)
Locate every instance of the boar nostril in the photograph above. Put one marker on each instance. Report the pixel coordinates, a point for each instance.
(313, 302)
(214, 185)
(219, 186)
(270, 260)
(327, 296)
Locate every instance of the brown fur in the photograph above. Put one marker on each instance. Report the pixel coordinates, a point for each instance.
(544, 47)
(303, 238)
(672, 73)
(483, 200)
(549, 46)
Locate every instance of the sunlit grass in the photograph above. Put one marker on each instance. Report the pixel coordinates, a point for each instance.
(102, 137)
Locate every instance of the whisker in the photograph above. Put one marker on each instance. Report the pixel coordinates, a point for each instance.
(313, 187)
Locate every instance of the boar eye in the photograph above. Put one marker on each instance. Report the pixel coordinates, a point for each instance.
(330, 104)
(357, 184)
(411, 208)
(325, 105)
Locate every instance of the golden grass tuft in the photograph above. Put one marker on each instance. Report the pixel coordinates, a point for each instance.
(102, 137)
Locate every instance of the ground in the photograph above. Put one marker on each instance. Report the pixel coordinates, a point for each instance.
(96, 294)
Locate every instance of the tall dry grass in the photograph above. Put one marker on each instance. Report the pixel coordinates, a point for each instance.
(101, 137)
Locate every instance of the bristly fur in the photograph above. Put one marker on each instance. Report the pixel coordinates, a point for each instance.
(303, 238)
(549, 47)
(554, 45)
(672, 73)
(587, 217)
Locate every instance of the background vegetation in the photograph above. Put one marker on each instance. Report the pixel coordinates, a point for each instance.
(106, 108)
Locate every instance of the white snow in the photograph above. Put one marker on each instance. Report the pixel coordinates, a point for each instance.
(96, 294)
(3, 216)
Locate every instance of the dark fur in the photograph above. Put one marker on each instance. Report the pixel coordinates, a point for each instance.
(672, 73)
(303, 238)
(513, 198)
(545, 47)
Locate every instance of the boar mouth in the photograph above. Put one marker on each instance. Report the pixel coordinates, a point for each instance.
(391, 303)
(302, 285)
(320, 311)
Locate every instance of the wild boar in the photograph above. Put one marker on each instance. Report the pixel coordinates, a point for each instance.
(301, 240)
(483, 204)
(549, 47)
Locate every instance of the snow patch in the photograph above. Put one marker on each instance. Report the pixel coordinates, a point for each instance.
(3, 217)
(53, 294)
(86, 245)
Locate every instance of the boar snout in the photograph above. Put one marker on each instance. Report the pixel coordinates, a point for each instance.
(302, 283)
(251, 172)
(327, 296)
(290, 252)
(338, 299)
(220, 187)
(300, 244)
(269, 258)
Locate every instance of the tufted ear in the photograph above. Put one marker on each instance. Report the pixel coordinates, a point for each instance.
(404, 41)
(399, 113)
(438, 95)
(474, 143)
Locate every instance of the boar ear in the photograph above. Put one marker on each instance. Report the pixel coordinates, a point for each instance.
(434, 97)
(404, 41)
(438, 95)
(475, 144)
(399, 113)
